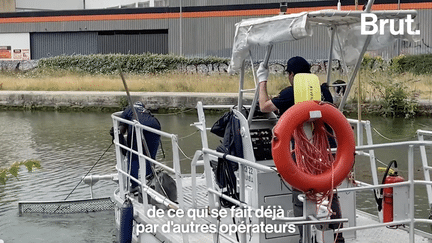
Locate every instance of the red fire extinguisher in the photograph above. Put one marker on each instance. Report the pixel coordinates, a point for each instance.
(387, 193)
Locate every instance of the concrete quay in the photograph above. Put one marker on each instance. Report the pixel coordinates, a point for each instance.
(156, 101)
(91, 100)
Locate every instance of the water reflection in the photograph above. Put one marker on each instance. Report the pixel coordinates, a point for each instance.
(387, 130)
(68, 145)
(16, 135)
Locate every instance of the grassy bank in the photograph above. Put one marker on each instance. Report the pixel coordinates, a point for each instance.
(373, 83)
(383, 90)
(164, 82)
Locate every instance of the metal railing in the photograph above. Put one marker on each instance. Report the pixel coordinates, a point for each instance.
(124, 176)
(421, 134)
(365, 150)
(122, 163)
(411, 182)
(205, 155)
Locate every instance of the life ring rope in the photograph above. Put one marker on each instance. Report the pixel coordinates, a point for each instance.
(327, 177)
(314, 157)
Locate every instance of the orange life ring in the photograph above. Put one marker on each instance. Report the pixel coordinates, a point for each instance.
(283, 132)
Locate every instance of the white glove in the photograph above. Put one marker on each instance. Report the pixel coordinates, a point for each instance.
(262, 73)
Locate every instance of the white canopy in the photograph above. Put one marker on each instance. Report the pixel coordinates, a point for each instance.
(281, 28)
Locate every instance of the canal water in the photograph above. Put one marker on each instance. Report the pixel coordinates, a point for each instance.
(69, 144)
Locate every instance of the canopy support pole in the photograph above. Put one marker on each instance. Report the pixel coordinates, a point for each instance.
(359, 61)
(256, 96)
(354, 74)
(240, 100)
(330, 59)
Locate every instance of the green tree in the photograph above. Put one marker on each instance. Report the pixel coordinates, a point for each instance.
(5, 173)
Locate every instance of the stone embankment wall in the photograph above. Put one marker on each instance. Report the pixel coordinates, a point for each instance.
(76, 100)
(156, 101)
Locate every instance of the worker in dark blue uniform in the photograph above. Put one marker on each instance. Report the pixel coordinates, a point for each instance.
(283, 102)
(285, 99)
(152, 139)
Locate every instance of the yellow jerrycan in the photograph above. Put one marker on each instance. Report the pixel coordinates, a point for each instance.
(306, 87)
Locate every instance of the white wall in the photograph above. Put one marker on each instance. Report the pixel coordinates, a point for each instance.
(94, 4)
(7, 6)
(73, 4)
(18, 42)
(49, 4)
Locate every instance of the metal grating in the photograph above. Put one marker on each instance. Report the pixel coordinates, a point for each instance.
(66, 207)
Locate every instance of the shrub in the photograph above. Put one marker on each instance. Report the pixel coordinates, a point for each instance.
(373, 63)
(397, 102)
(394, 97)
(112, 63)
(416, 64)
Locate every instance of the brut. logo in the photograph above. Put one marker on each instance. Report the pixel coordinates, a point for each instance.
(370, 25)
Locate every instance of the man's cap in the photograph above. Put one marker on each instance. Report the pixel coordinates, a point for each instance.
(298, 65)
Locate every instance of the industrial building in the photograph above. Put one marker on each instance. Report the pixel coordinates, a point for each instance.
(189, 27)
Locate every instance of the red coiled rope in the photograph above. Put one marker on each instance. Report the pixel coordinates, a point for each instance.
(313, 156)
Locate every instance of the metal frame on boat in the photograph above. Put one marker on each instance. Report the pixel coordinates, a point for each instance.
(198, 191)
(259, 185)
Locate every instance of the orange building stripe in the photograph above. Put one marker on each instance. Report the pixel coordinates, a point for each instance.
(204, 14)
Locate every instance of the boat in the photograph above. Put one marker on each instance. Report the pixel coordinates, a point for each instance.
(258, 205)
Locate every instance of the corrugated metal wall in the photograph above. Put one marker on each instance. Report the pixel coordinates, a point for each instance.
(214, 37)
(200, 37)
(402, 47)
(203, 36)
(72, 43)
(425, 45)
(133, 42)
(68, 43)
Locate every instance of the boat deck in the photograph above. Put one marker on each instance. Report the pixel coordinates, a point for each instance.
(376, 235)
(383, 234)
